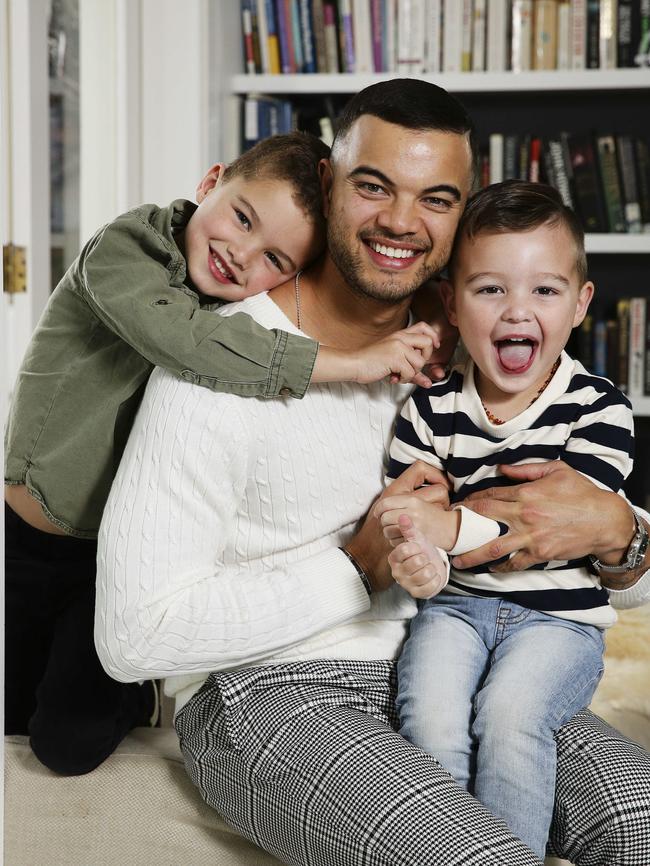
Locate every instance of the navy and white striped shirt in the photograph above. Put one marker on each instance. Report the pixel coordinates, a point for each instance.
(581, 419)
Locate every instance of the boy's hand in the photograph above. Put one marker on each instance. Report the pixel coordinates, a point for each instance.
(401, 356)
(438, 526)
(416, 564)
(427, 306)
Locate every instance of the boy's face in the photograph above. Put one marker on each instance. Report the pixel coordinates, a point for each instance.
(515, 298)
(246, 236)
(394, 197)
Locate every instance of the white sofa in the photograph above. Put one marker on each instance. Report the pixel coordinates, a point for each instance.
(140, 809)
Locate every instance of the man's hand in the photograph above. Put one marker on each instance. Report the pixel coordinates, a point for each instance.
(556, 514)
(427, 305)
(416, 563)
(368, 546)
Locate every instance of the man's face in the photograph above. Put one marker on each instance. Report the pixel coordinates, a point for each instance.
(395, 196)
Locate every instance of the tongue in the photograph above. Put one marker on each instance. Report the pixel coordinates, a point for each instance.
(514, 356)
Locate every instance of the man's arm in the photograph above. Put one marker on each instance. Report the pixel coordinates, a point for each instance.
(559, 514)
(177, 589)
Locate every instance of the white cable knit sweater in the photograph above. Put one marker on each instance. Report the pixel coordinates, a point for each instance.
(218, 546)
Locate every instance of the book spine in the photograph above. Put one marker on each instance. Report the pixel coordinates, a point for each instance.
(586, 183)
(535, 159)
(607, 34)
(377, 25)
(510, 157)
(564, 35)
(410, 36)
(496, 157)
(263, 34)
(331, 39)
(624, 33)
(318, 26)
(642, 153)
(498, 46)
(623, 318)
(307, 32)
(642, 44)
(556, 153)
(585, 342)
(479, 24)
(247, 29)
(346, 36)
(606, 149)
(251, 126)
(524, 157)
(646, 385)
(611, 363)
(548, 168)
(578, 34)
(390, 40)
(452, 36)
(600, 348)
(362, 29)
(545, 35)
(275, 64)
(433, 46)
(522, 35)
(627, 168)
(636, 369)
(466, 37)
(593, 34)
(296, 36)
(283, 35)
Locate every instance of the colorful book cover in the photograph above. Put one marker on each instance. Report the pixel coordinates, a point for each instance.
(331, 39)
(275, 65)
(284, 26)
(296, 36)
(377, 28)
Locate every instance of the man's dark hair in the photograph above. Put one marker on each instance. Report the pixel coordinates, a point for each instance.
(410, 103)
(519, 206)
(292, 158)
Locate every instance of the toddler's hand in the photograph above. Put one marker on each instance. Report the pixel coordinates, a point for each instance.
(401, 356)
(439, 526)
(416, 564)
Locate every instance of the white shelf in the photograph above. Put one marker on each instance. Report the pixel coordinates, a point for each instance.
(617, 243)
(459, 82)
(640, 406)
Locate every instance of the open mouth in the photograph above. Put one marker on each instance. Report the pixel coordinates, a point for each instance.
(392, 256)
(516, 354)
(219, 270)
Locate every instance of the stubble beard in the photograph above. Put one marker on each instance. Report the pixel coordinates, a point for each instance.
(384, 287)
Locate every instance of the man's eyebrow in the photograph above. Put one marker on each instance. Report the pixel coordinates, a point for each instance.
(374, 172)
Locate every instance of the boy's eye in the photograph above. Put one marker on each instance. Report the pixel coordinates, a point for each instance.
(275, 261)
(489, 290)
(243, 219)
(545, 291)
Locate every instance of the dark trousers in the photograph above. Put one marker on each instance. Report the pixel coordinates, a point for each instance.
(55, 687)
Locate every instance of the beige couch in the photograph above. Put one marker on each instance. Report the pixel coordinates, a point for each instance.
(140, 809)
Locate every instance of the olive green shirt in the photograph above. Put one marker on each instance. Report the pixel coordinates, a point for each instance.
(125, 306)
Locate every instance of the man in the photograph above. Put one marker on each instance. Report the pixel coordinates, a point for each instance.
(220, 552)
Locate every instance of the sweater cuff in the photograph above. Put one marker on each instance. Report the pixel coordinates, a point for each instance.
(633, 596)
(341, 592)
(475, 530)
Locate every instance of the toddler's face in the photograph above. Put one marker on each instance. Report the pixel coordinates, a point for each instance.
(246, 236)
(516, 298)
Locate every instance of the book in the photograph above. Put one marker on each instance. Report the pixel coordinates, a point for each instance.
(331, 39)
(346, 36)
(545, 34)
(623, 318)
(452, 36)
(522, 35)
(433, 40)
(247, 30)
(263, 36)
(496, 157)
(593, 34)
(390, 35)
(510, 157)
(625, 12)
(641, 35)
(479, 25)
(646, 387)
(557, 157)
(585, 342)
(362, 31)
(295, 38)
(607, 162)
(630, 187)
(564, 35)
(535, 159)
(607, 34)
(251, 127)
(275, 65)
(466, 36)
(307, 33)
(410, 36)
(586, 183)
(498, 43)
(600, 348)
(578, 40)
(636, 353)
(284, 28)
(611, 360)
(642, 153)
(377, 28)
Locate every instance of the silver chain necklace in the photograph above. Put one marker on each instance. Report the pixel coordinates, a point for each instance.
(297, 285)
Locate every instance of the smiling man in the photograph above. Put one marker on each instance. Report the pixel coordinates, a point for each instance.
(232, 562)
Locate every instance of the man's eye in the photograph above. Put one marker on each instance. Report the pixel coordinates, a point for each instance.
(275, 261)
(438, 203)
(243, 219)
(371, 187)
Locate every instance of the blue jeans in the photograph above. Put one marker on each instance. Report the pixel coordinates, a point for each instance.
(483, 685)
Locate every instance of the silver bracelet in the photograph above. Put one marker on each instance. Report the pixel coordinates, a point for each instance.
(365, 580)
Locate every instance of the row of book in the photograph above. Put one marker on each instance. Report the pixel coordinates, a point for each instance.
(618, 346)
(428, 36)
(604, 178)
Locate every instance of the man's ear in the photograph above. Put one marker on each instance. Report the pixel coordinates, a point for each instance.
(448, 297)
(326, 181)
(211, 179)
(585, 295)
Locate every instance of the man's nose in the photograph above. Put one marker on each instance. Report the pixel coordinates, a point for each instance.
(399, 217)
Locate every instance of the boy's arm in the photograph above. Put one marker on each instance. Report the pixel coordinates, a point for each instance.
(133, 281)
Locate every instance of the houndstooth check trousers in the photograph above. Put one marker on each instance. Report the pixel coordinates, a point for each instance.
(304, 760)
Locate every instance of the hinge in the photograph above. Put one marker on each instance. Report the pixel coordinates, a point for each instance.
(14, 268)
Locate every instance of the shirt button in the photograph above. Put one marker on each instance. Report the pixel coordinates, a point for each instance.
(285, 392)
(161, 301)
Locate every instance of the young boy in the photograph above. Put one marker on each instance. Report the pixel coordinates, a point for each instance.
(134, 298)
(497, 663)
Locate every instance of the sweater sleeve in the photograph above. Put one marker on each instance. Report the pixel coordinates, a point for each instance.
(167, 601)
(132, 279)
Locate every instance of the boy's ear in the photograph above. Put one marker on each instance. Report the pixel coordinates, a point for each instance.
(326, 180)
(211, 179)
(448, 298)
(585, 295)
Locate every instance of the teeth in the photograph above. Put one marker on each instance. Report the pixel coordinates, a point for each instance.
(221, 268)
(393, 252)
